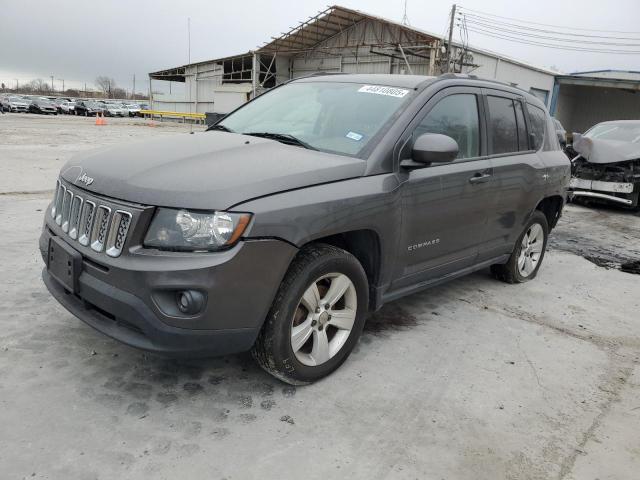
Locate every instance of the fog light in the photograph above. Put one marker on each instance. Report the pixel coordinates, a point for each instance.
(189, 302)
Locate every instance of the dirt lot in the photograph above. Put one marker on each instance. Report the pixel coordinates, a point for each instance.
(473, 379)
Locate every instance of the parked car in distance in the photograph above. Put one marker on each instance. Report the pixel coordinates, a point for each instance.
(321, 200)
(133, 109)
(42, 105)
(114, 110)
(87, 108)
(67, 107)
(14, 103)
(560, 132)
(607, 164)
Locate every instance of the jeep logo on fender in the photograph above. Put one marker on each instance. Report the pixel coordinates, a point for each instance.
(84, 178)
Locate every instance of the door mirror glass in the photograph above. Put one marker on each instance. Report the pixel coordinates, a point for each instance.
(434, 148)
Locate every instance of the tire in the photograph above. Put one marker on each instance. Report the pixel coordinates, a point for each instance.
(323, 266)
(535, 234)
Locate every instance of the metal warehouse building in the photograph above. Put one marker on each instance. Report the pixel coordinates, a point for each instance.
(337, 39)
(581, 100)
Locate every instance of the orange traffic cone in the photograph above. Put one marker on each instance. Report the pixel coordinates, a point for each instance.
(100, 119)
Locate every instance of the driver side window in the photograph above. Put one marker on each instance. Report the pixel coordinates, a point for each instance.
(457, 117)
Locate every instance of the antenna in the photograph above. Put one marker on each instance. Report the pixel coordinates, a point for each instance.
(405, 17)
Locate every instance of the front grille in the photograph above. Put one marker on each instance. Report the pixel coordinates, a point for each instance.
(90, 222)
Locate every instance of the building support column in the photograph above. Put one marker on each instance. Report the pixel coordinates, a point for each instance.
(254, 74)
(150, 93)
(554, 98)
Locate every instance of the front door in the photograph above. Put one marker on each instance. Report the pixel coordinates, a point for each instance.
(445, 206)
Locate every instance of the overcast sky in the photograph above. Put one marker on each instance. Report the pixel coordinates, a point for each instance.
(77, 40)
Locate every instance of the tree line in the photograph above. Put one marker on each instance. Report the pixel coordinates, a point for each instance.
(106, 88)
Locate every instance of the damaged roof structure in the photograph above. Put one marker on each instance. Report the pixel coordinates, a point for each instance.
(335, 40)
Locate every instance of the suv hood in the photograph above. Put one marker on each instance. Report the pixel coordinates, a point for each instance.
(210, 170)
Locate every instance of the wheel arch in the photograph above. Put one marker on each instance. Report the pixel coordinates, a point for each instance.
(365, 245)
(552, 208)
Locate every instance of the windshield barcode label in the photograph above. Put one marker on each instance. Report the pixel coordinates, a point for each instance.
(379, 90)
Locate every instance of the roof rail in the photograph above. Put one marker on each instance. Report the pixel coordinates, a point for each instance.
(447, 76)
(458, 75)
(322, 74)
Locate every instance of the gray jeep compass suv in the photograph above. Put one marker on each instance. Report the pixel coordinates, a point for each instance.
(284, 225)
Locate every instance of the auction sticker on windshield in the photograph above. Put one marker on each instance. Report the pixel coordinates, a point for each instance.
(380, 90)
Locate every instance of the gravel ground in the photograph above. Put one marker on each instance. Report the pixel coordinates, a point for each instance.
(473, 379)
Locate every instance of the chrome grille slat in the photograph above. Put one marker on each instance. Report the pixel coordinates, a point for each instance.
(100, 227)
(86, 222)
(66, 210)
(92, 222)
(118, 233)
(74, 216)
(59, 198)
(55, 199)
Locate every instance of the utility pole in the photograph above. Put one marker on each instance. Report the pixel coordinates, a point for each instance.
(405, 17)
(453, 16)
(17, 85)
(133, 92)
(52, 87)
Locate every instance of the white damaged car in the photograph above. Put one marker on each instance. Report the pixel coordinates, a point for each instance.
(606, 166)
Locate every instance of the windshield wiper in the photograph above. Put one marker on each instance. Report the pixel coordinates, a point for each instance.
(282, 137)
(220, 127)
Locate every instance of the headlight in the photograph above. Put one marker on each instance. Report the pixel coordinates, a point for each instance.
(189, 230)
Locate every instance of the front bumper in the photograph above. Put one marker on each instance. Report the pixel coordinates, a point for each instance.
(616, 192)
(126, 297)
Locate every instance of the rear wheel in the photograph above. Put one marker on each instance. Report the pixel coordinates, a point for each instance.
(525, 261)
(316, 318)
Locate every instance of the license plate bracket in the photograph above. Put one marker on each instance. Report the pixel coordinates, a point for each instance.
(64, 264)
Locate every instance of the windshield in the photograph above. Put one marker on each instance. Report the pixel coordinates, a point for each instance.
(623, 132)
(327, 116)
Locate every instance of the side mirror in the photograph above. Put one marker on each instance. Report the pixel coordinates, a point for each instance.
(432, 148)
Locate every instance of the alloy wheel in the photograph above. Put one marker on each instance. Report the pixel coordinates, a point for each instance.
(324, 318)
(530, 250)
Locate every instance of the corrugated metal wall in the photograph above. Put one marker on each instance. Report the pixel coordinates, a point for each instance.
(354, 58)
(580, 107)
(511, 73)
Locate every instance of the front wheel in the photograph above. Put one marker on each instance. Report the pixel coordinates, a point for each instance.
(316, 318)
(526, 258)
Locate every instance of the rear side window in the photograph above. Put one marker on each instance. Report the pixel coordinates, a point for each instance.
(503, 129)
(538, 120)
(457, 117)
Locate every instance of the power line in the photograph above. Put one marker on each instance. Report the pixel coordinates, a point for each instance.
(547, 24)
(547, 37)
(554, 46)
(490, 22)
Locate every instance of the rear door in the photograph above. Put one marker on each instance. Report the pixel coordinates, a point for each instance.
(519, 173)
(445, 206)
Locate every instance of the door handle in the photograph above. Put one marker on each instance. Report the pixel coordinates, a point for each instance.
(480, 177)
